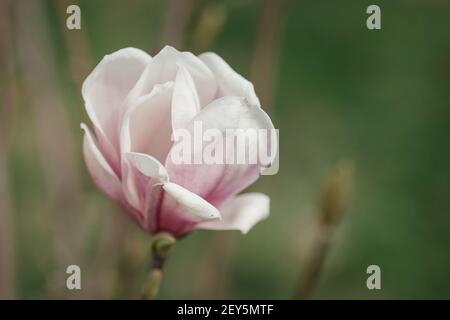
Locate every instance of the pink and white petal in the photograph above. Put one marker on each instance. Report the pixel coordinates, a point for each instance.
(105, 89)
(148, 166)
(148, 175)
(218, 182)
(198, 208)
(185, 101)
(240, 213)
(229, 81)
(99, 169)
(146, 126)
(179, 210)
(140, 171)
(130, 183)
(110, 152)
(164, 67)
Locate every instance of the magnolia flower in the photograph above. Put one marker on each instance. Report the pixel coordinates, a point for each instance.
(135, 102)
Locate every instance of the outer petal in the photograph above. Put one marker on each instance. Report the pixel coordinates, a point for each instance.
(229, 81)
(139, 169)
(99, 169)
(144, 175)
(105, 89)
(164, 67)
(148, 166)
(179, 207)
(179, 210)
(191, 203)
(240, 213)
(218, 182)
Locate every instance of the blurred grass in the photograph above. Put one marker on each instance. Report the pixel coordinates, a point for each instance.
(378, 97)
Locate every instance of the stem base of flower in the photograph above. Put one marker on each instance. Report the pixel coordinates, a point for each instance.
(160, 247)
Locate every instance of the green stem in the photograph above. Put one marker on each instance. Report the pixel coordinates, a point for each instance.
(160, 248)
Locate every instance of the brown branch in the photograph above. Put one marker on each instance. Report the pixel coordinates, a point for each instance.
(177, 19)
(56, 144)
(78, 50)
(334, 200)
(7, 256)
(211, 278)
(209, 24)
(267, 47)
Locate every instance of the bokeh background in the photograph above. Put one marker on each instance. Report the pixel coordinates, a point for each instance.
(335, 89)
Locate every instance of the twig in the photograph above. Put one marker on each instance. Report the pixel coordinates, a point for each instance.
(334, 201)
(56, 146)
(7, 256)
(211, 277)
(209, 24)
(178, 15)
(77, 46)
(266, 50)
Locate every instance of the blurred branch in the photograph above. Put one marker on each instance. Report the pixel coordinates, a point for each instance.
(211, 277)
(118, 245)
(177, 18)
(267, 46)
(334, 201)
(7, 256)
(78, 51)
(211, 20)
(55, 142)
(131, 253)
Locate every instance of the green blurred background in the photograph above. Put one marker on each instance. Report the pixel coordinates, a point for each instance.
(334, 89)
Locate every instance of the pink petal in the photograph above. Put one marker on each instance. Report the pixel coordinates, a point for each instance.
(104, 91)
(148, 166)
(229, 81)
(180, 210)
(171, 208)
(164, 67)
(99, 169)
(218, 182)
(103, 175)
(143, 174)
(240, 213)
(194, 205)
(185, 101)
(147, 127)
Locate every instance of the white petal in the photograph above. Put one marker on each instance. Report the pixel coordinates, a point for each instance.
(148, 166)
(140, 173)
(185, 101)
(217, 182)
(240, 213)
(146, 126)
(164, 67)
(129, 185)
(192, 203)
(233, 112)
(230, 82)
(99, 169)
(105, 89)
